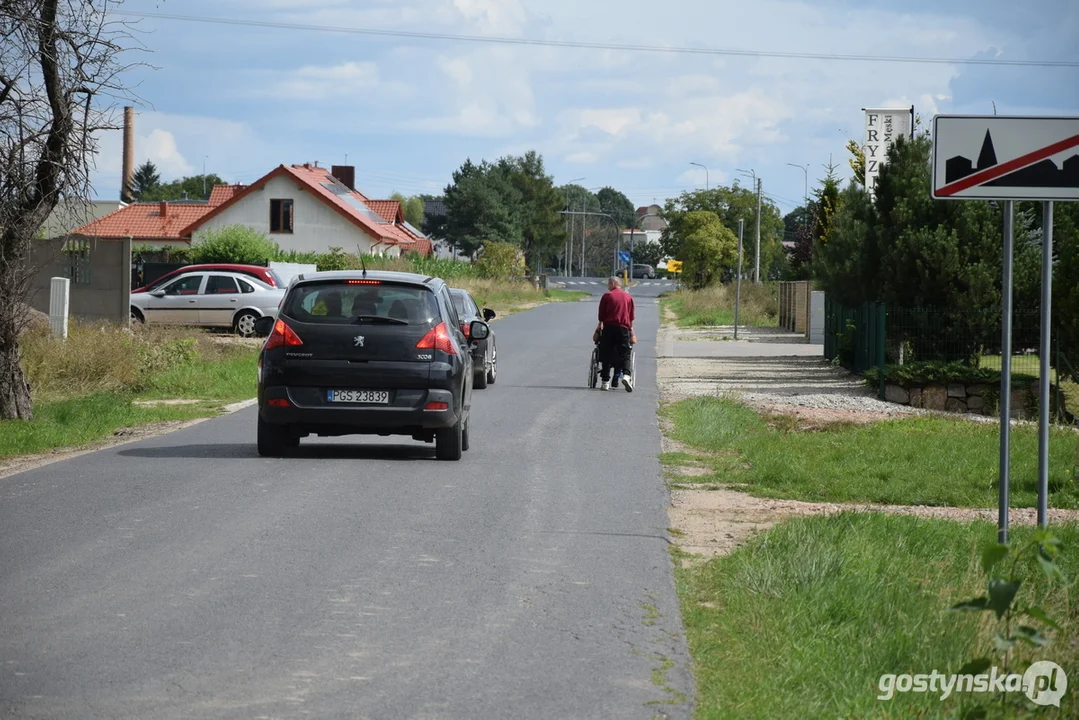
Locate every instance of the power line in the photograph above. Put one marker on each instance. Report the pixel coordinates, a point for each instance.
(605, 46)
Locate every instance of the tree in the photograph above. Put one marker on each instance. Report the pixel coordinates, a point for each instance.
(195, 187)
(708, 251)
(730, 204)
(145, 179)
(480, 207)
(542, 228)
(648, 252)
(617, 205)
(59, 75)
(411, 208)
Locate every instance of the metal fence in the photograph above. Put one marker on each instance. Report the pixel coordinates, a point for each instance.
(873, 335)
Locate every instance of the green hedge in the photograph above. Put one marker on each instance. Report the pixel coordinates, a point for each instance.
(939, 373)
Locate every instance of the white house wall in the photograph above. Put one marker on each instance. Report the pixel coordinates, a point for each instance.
(317, 227)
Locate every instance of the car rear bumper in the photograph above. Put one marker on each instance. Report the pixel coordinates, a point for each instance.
(308, 412)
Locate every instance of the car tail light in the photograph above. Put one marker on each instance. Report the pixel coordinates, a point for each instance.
(363, 282)
(282, 335)
(437, 338)
(278, 402)
(437, 406)
(466, 328)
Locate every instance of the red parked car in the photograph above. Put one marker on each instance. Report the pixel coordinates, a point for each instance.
(258, 272)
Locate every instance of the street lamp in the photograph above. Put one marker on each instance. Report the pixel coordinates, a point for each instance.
(757, 253)
(569, 244)
(705, 174)
(805, 197)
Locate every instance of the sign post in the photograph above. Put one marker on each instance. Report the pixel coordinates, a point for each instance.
(738, 285)
(989, 157)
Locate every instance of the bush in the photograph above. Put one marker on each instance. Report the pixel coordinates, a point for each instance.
(233, 244)
(942, 373)
(500, 261)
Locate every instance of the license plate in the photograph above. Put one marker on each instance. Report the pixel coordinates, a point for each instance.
(358, 396)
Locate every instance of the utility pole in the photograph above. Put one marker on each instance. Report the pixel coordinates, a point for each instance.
(757, 258)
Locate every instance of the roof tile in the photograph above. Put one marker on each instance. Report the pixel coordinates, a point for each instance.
(144, 221)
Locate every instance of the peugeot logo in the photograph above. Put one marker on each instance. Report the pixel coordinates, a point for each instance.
(358, 340)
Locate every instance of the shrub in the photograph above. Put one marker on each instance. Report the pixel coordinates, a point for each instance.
(233, 244)
(500, 261)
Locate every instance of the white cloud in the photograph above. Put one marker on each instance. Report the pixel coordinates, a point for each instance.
(499, 17)
(313, 82)
(581, 158)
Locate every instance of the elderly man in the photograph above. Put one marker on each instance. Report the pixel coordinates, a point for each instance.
(615, 333)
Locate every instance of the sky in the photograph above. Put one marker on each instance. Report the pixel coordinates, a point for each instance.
(406, 111)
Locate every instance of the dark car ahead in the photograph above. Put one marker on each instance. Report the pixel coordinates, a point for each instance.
(484, 352)
(644, 271)
(366, 353)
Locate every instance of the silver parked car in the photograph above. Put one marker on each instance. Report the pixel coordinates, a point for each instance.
(208, 299)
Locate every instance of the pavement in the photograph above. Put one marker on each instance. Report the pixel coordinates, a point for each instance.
(185, 577)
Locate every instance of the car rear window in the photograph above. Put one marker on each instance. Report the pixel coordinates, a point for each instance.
(339, 302)
(459, 303)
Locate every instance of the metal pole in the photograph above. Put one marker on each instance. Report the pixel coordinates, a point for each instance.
(738, 291)
(757, 258)
(1043, 395)
(1006, 375)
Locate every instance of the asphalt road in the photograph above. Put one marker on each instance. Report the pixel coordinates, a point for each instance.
(185, 577)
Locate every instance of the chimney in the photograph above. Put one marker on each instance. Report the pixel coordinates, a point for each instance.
(164, 212)
(346, 174)
(127, 187)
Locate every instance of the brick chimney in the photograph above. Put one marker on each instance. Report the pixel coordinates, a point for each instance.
(346, 174)
(164, 208)
(127, 186)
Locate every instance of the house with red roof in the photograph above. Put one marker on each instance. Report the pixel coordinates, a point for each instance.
(304, 208)
(308, 208)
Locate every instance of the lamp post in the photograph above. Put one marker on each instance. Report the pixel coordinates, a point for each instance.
(805, 196)
(757, 253)
(569, 244)
(705, 174)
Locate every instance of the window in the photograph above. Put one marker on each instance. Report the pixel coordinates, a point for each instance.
(78, 261)
(281, 216)
(342, 303)
(221, 285)
(246, 287)
(188, 285)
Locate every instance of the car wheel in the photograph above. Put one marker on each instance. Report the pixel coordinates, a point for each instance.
(449, 441)
(492, 374)
(464, 437)
(479, 376)
(136, 317)
(272, 439)
(244, 324)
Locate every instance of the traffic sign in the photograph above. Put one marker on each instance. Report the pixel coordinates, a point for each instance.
(624, 256)
(674, 266)
(990, 157)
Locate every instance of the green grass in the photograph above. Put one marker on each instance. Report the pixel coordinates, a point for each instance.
(803, 621)
(70, 423)
(911, 461)
(715, 306)
(72, 409)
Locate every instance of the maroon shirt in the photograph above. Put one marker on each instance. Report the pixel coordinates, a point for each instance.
(616, 308)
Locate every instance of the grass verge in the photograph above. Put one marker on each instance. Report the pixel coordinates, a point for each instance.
(83, 388)
(714, 305)
(804, 620)
(910, 461)
(508, 297)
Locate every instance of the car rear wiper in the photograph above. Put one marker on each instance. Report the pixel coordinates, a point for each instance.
(379, 319)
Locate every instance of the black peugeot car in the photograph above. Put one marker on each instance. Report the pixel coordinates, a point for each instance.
(368, 353)
(484, 352)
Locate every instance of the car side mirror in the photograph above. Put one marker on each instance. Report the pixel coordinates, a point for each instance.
(488, 314)
(157, 293)
(478, 330)
(264, 326)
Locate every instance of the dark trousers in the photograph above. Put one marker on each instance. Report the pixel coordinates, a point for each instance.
(613, 351)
